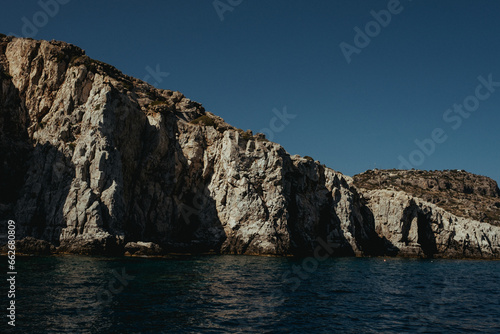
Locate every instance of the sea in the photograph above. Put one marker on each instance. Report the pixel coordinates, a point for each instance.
(251, 294)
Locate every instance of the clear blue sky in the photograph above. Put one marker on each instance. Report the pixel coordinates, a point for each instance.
(267, 55)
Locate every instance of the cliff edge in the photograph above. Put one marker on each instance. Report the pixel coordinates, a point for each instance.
(96, 162)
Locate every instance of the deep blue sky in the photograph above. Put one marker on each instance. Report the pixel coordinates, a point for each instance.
(285, 53)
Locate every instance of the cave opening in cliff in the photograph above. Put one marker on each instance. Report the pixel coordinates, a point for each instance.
(426, 237)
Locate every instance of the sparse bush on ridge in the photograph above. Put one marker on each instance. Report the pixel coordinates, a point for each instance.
(79, 60)
(158, 103)
(127, 85)
(94, 65)
(246, 135)
(204, 120)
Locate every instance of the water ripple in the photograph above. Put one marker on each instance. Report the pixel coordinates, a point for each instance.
(239, 294)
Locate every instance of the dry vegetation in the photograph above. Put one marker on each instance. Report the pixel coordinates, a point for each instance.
(461, 193)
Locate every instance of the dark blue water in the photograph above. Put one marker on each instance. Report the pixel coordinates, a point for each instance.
(242, 294)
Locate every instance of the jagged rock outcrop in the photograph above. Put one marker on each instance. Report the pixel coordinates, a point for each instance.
(419, 228)
(143, 249)
(32, 246)
(434, 213)
(463, 194)
(95, 162)
(103, 159)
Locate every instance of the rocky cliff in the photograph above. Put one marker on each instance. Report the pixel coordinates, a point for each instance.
(434, 213)
(94, 161)
(463, 194)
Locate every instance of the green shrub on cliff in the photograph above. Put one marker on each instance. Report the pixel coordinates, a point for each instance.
(204, 120)
(157, 103)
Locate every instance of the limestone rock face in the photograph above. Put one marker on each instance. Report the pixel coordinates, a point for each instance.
(96, 162)
(419, 228)
(464, 194)
(96, 159)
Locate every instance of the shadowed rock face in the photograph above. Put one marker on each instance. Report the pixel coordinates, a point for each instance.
(99, 162)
